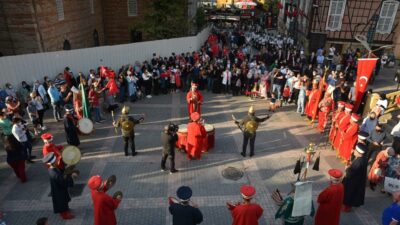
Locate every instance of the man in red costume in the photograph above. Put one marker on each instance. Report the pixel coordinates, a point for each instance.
(313, 98)
(103, 204)
(325, 107)
(195, 137)
(194, 99)
(330, 200)
(344, 122)
(49, 146)
(349, 138)
(245, 213)
(337, 115)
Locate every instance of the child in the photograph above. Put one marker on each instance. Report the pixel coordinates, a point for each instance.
(272, 103)
(286, 94)
(33, 115)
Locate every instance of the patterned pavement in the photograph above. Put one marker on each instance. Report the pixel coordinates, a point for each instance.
(279, 143)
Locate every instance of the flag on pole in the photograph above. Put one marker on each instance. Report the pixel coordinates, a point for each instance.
(85, 102)
(365, 67)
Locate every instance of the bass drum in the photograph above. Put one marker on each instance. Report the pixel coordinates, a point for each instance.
(85, 126)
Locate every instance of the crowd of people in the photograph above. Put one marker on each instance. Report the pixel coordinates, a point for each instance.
(239, 62)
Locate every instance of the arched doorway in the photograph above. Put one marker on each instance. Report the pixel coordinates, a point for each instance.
(66, 45)
(96, 38)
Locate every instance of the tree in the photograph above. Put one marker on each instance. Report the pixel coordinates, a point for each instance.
(166, 19)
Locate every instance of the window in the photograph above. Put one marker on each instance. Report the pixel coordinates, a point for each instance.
(132, 7)
(335, 16)
(91, 6)
(60, 9)
(387, 17)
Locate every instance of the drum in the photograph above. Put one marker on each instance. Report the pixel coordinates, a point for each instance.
(210, 140)
(85, 126)
(182, 137)
(71, 155)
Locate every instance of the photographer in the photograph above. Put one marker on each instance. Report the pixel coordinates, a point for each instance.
(168, 138)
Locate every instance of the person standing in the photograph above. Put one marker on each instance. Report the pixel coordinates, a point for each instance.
(19, 130)
(184, 212)
(70, 126)
(127, 124)
(55, 99)
(147, 80)
(391, 215)
(376, 139)
(195, 137)
(169, 138)
(335, 119)
(245, 213)
(95, 102)
(325, 107)
(194, 100)
(16, 156)
(369, 123)
(343, 123)
(104, 206)
(226, 80)
(249, 125)
(355, 180)
(349, 138)
(59, 183)
(330, 200)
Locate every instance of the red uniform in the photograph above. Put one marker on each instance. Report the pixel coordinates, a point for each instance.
(312, 101)
(381, 162)
(246, 214)
(104, 206)
(350, 137)
(342, 126)
(335, 121)
(195, 139)
(330, 202)
(191, 103)
(78, 107)
(51, 147)
(325, 107)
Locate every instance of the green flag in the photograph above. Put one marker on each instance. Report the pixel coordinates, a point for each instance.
(85, 102)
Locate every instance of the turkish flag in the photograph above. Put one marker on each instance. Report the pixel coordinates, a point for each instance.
(365, 67)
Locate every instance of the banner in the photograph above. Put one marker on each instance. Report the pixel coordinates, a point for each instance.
(302, 199)
(365, 67)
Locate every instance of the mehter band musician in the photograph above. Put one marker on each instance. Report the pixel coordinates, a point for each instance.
(49, 146)
(169, 138)
(127, 124)
(195, 137)
(70, 126)
(330, 200)
(245, 213)
(194, 99)
(59, 186)
(249, 125)
(103, 204)
(183, 211)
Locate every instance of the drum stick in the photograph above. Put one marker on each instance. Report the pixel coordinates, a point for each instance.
(113, 119)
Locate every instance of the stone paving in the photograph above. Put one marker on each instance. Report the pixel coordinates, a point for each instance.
(279, 143)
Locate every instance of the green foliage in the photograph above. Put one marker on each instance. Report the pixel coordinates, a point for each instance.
(166, 19)
(271, 5)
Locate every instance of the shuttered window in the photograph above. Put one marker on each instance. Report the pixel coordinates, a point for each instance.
(132, 7)
(387, 17)
(60, 9)
(335, 16)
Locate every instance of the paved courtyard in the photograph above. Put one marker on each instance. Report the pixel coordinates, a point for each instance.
(279, 143)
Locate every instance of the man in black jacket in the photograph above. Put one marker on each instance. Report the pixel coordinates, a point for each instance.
(184, 212)
(168, 139)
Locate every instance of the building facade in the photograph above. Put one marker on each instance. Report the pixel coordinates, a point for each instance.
(32, 26)
(320, 23)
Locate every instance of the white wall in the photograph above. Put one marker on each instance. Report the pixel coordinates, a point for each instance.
(29, 67)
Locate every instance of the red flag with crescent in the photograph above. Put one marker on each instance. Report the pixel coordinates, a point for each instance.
(365, 67)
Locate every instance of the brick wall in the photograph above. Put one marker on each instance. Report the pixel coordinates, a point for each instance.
(77, 27)
(117, 23)
(17, 27)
